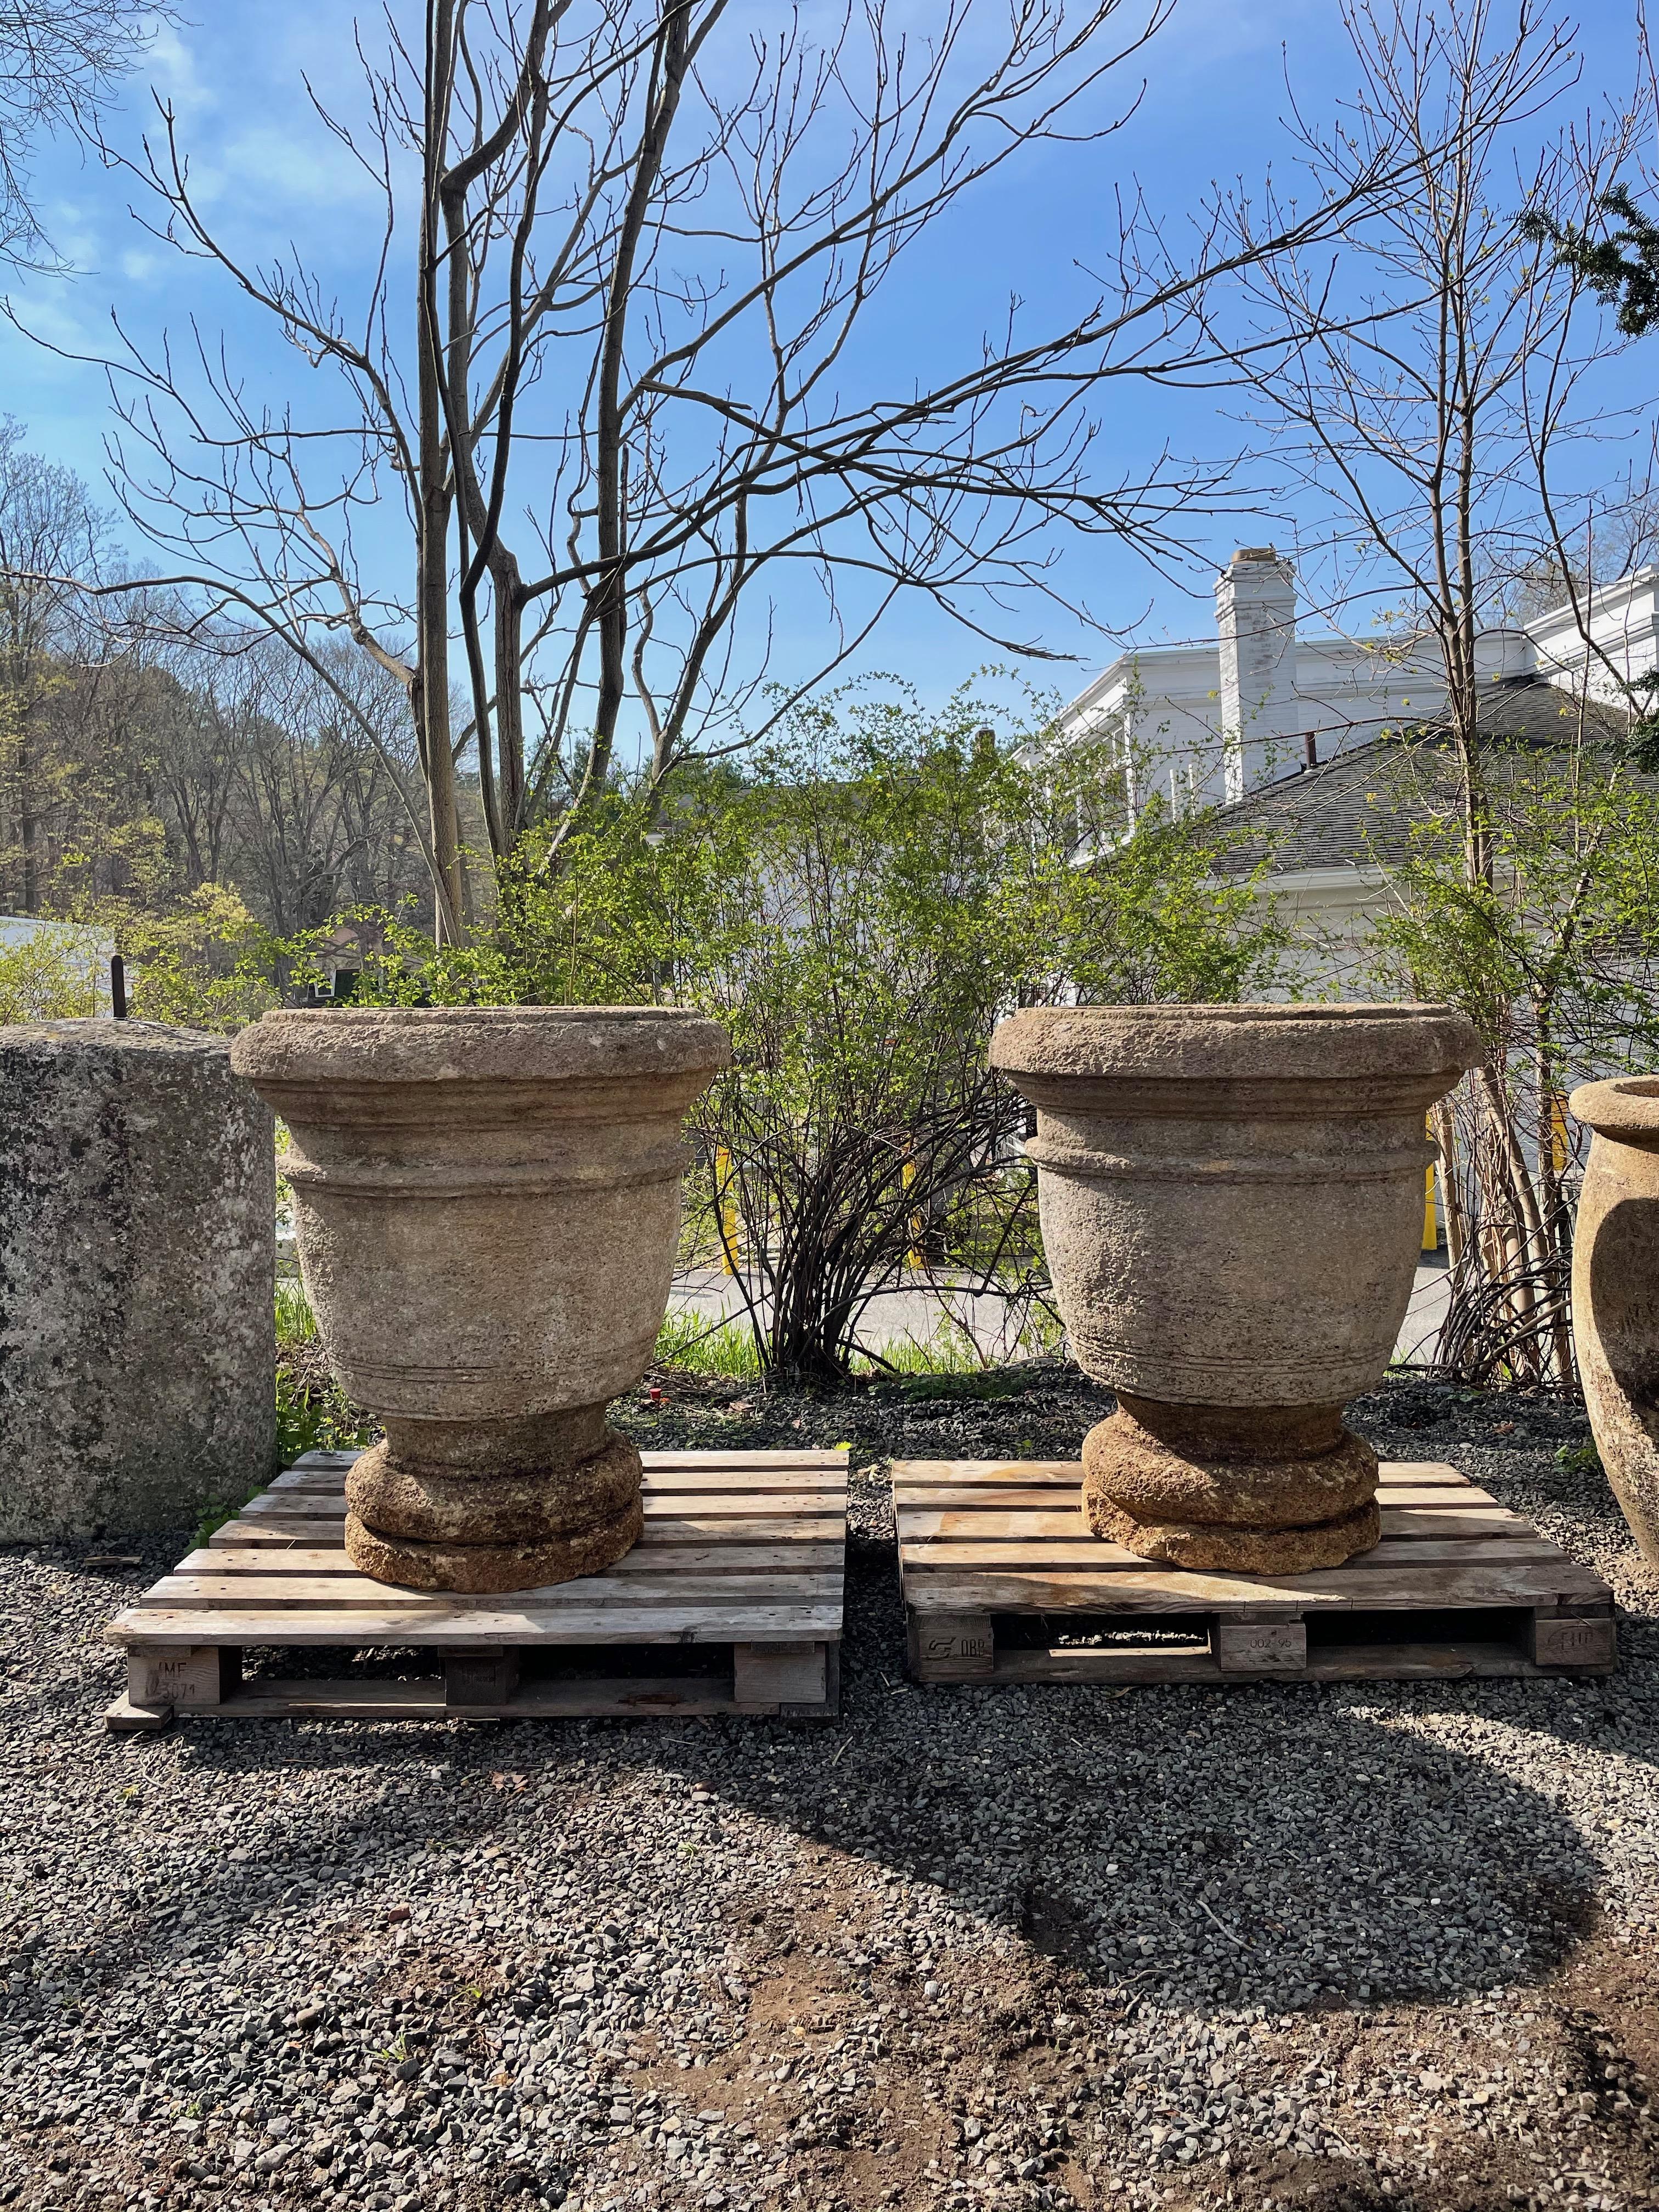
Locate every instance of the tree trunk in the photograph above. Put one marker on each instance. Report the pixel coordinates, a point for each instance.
(431, 695)
(28, 827)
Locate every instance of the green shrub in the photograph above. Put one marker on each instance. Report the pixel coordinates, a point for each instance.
(55, 975)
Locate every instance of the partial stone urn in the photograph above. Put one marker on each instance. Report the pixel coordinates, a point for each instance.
(1231, 1201)
(1615, 1292)
(486, 1206)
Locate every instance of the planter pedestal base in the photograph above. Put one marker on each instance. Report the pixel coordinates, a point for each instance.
(1256, 1490)
(478, 1569)
(487, 1506)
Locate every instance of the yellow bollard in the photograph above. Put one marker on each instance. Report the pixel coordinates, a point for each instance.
(1430, 1226)
(1561, 1143)
(915, 1257)
(731, 1247)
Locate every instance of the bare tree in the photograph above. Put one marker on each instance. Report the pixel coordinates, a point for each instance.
(611, 361)
(1425, 382)
(313, 818)
(51, 536)
(60, 60)
(1409, 365)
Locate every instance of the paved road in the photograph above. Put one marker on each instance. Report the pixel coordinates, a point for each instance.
(893, 1316)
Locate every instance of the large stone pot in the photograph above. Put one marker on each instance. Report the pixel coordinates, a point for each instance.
(1615, 1292)
(486, 1206)
(1232, 1205)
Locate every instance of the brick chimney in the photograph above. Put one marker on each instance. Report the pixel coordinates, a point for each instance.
(1256, 614)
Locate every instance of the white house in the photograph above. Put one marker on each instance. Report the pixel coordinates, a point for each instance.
(1289, 736)
(1211, 723)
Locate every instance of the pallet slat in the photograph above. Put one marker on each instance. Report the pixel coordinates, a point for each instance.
(921, 1475)
(743, 1551)
(1407, 1549)
(1430, 1517)
(978, 1540)
(675, 1481)
(1059, 1498)
(661, 1463)
(344, 1592)
(824, 1523)
(708, 1505)
(650, 1556)
(747, 1622)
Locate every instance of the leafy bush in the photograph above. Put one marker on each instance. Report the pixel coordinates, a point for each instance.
(56, 974)
(860, 906)
(205, 964)
(1552, 949)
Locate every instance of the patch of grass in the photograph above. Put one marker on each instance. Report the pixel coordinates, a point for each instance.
(313, 1417)
(704, 1348)
(727, 1349)
(952, 1352)
(983, 1383)
(949, 1351)
(296, 1322)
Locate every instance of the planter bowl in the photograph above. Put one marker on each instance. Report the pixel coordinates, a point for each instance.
(1231, 1201)
(486, 1208)
(1615, 1292)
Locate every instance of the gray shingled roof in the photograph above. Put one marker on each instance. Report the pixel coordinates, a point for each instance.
(1358, 809)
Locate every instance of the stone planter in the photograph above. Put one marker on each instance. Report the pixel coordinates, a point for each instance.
(1231, 1201)
(486, 1206)
(1615, 1292)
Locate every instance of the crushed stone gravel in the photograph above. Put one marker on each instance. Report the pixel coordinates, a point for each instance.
(1038, 1947)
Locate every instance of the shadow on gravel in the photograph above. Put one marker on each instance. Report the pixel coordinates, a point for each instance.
(1274, 1845)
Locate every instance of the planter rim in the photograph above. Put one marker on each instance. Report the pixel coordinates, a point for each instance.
(1625, 1108)
(478, 1044)
(1267, 1042)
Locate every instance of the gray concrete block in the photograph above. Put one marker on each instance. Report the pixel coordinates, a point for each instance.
(137, 1344)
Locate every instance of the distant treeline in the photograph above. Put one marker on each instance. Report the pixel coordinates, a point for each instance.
(142, 757)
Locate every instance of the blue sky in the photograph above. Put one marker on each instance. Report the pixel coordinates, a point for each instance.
(268, 174)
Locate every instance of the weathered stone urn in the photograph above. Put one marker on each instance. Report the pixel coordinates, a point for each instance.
(486, 1206)
(1615, 1292)
(1231, 1201)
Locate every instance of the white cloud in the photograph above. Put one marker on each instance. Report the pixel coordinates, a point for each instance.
(270, 162)
(173, 70)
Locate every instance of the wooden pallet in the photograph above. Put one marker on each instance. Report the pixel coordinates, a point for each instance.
(742, 1552)
(1003, 1582)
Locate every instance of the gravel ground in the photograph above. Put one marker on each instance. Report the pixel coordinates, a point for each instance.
(1037, 1948)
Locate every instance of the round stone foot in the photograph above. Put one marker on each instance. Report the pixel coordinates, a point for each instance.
(475, 1570)
(1267, 1468)
(1257, 1490)
(1212, 1545)
(400, 1496)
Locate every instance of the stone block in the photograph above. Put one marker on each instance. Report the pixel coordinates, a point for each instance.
(137, 1341)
